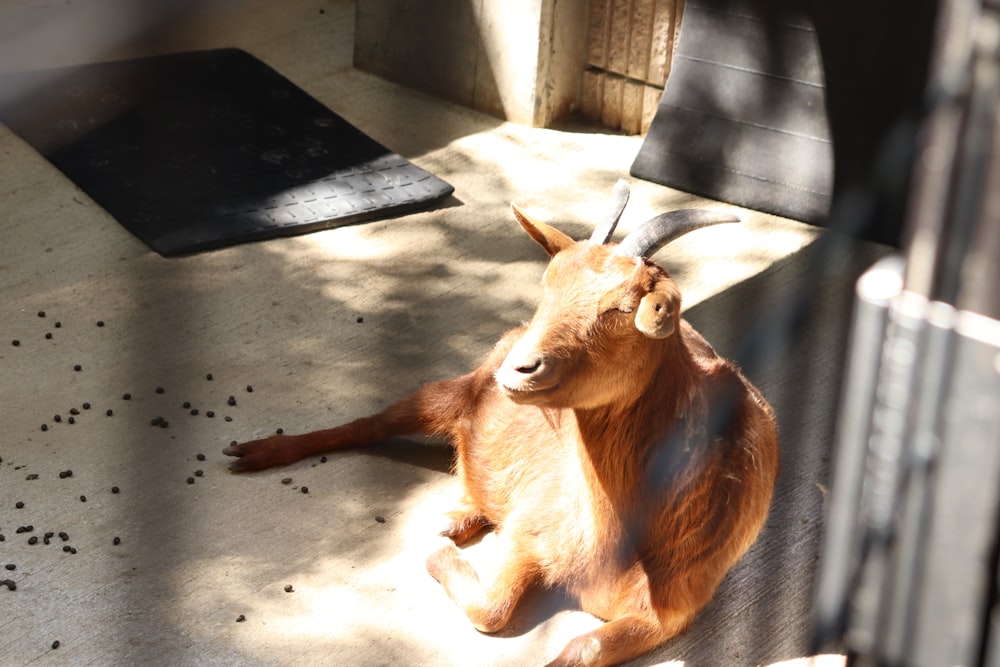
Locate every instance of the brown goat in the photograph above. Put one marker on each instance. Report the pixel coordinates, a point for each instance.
(611, 450)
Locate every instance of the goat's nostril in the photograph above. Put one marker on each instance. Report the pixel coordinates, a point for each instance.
(529, 366)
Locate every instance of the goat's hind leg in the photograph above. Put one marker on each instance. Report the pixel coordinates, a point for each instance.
(617, 641)
(430, 409)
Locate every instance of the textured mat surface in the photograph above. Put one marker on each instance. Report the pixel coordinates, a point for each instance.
(742, 118)
(202, 150)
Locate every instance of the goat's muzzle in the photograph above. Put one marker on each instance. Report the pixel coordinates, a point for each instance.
(526, 375)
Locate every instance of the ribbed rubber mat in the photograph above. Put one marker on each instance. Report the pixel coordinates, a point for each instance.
(201, 150)
(743, 117)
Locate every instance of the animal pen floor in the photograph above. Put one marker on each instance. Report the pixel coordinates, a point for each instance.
(326, 327)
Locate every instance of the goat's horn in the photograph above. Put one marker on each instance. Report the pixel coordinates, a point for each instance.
(657, 232)
(606, 227)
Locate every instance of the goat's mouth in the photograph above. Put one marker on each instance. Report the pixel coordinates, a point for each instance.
(528, 394)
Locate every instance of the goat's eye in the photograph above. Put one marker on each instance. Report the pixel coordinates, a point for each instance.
(626, 305)
(617, 309)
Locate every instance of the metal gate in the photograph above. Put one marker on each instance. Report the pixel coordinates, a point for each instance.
(909, 574)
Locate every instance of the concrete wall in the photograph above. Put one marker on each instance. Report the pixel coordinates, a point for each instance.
(520, 60)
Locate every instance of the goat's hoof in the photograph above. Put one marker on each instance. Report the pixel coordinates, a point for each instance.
(464, 526)
(258, 454)
(580, 652)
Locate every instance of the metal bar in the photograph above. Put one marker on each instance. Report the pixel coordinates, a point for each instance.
(875, 291)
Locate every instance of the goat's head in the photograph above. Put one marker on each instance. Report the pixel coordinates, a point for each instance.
(604, 307)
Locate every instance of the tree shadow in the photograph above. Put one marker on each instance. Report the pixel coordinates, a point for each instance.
(324, 335)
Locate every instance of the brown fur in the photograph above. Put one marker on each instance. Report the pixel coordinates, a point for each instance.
(633, 471)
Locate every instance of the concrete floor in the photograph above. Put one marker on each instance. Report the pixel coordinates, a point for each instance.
(327, 327)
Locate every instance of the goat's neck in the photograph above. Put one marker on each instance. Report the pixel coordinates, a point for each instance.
(615, 437)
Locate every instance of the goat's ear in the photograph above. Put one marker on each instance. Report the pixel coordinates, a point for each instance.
(551, 239)
(657, 313)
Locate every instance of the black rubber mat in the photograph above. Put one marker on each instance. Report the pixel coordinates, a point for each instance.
(201, 150)
(743, 117)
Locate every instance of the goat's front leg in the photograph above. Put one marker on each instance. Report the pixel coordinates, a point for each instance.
(488, 604)
(616, 641)
(430, 409)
